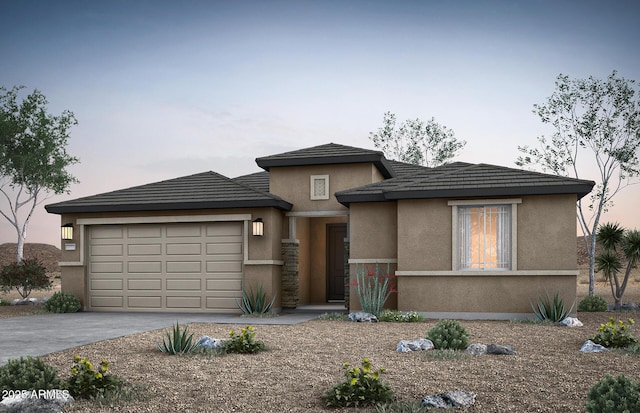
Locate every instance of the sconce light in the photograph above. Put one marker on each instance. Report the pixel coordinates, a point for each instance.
(258, 227)
(67, 231)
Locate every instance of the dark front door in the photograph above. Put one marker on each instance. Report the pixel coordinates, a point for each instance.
(336, 233)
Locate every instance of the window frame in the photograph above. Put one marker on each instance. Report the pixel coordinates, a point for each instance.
(312, 194)
(455, 230)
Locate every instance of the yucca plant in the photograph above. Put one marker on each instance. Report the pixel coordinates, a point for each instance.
(177, 341)
(547, 310)
(617, 242)
(255, 302)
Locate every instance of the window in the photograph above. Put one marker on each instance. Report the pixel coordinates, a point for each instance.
(319, 187)
(484, 237)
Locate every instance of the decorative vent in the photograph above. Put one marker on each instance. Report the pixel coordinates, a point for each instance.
(319, 187)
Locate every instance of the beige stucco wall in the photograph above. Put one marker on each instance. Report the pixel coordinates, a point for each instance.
(269, 247)
(373, 230)
(304, 259)
(292, 183)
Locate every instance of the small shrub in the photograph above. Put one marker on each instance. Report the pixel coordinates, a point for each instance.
(62, 302)
(615, 334)
(555, 311)
(361, 388)
(24, 276)
(28, 374)
(449, 334)
(334, 316)
(255, 302)
(245, 342)
(3, 302)
(612, 395)
(592, 303)
(400, 316)
(373, 288)
(445, 354)
(177, 341)
(87, 383)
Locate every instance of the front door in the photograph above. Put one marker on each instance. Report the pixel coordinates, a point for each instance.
(336, 233)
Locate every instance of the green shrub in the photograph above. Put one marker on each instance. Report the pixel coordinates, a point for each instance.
(400, 316)
(62, 302)
(3, 302)
(373, 288)
(444, 354)
(612, 395)
(245, 342)
(362, 387)
(28, 374)
(555, 311)
(592, 303)
(87, 383)
(177, 341)
(24, 276)
(615, 334)
(255, 302)
(449, 334)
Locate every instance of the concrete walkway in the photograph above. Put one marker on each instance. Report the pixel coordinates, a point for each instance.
(49, 333)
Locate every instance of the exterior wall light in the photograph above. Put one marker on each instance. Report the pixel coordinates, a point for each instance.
(67, 231)
(258, 227)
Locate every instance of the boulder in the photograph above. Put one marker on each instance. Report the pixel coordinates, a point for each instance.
(476, 349)
(420, 344)
(500, 350)
(455, 398)
(571, 322)
(591, 347)
(209, 343)
(50, 401)
(362, 317)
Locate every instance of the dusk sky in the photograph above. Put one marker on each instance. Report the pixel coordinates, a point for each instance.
(163, 89)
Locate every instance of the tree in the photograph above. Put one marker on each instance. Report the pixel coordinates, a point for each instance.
(24, 276)
(616, 242)
(415, 141)
(33, 157)
(597, 127)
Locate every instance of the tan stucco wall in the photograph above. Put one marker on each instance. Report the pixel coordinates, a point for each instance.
(547, 233)
(373, 230)
(424, 235)
(480, 294)
(73, 280)
(292, 183)
(384, 269)
(267, 276)
(304, 259)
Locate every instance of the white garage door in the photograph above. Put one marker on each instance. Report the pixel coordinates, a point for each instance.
(165, 267)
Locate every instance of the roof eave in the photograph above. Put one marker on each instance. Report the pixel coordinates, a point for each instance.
(379, 161)
(76, 209)
(580, 190)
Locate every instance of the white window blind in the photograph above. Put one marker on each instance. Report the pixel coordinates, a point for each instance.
(484, 237)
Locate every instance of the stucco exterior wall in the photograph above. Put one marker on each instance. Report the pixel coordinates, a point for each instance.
(373, 230)
(292, 183)
(304, 259)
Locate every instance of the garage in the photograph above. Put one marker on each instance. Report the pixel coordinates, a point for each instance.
(189, 267)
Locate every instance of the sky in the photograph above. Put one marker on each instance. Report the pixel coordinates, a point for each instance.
(163, 89)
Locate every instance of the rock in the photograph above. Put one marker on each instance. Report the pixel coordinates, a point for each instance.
(455, 398)
(623, 307)
(571, 322)
(500, 350)
(420, 344)
(41, 401)
(476, 349)
(362, 317)
(209, 343)
(591, 347)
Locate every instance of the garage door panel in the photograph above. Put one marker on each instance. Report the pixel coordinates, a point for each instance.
(107, 284)
(184, 302)
(154, 284)
(146, 267)
(182, 284)
(144, 249)
(145, 302)
(184, 249)
(184, 267)
(224, 266)
(114, 267)
(224, 285)
(176, 266)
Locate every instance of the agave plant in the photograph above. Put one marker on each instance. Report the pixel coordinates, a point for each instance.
(547, 310)
(255, 302)
(177, 341)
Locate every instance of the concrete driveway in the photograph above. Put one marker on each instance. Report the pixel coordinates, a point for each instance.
(49, 333)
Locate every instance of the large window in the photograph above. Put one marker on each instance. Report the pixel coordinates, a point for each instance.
(484, 237)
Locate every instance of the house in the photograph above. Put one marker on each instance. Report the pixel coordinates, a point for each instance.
(462, 240)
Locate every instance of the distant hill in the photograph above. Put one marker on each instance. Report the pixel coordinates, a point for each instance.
(47, 254)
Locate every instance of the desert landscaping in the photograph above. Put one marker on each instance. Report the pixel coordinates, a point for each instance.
(548, 373)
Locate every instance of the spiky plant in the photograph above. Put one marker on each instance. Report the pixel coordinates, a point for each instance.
(177, 341)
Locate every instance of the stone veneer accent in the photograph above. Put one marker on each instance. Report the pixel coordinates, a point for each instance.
(347, 275)
(290, 294)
